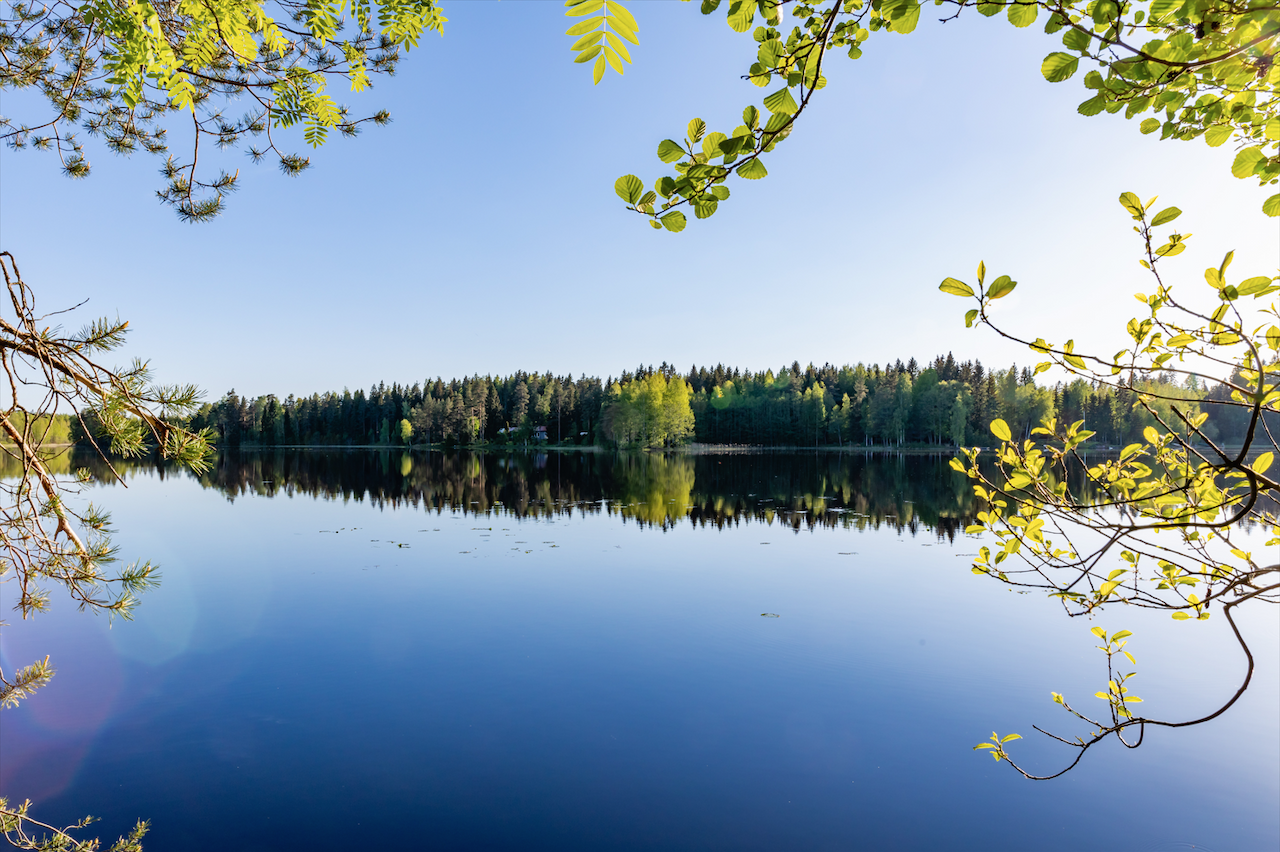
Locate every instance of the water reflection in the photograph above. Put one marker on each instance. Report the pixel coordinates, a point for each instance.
(803, 490)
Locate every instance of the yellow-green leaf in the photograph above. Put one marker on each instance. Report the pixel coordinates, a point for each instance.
(955, 288)
(1000, 429)
(1001, 287)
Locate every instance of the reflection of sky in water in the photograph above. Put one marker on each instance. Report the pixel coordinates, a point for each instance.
(574, 682)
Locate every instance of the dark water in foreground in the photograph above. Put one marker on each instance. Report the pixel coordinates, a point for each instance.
(370, 650)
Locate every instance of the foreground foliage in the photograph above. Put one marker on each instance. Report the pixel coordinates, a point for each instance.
(1194, 68)
(1163, 524)
(46, 539)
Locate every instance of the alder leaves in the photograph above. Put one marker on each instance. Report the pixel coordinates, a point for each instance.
(1192, 67)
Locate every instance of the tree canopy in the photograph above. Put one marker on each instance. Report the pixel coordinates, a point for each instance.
(1190, 68)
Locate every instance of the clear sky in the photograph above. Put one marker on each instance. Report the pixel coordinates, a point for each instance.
(479, 232)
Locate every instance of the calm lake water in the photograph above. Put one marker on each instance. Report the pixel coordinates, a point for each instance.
(376, 650)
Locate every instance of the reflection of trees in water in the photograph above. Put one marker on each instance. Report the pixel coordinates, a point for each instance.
(802, 490)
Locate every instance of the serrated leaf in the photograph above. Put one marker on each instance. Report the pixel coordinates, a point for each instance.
(1246, 161)
(1149, 125)
(781, 101)
(1059, 66)
(907, 20)
(752, 170)
(1023, 14)
(1271, 206)
(955, 288)
(629, 188)
(1217, 135)
(711, 144)
(673, 221)
(669, 151)
(1165, 216)
(696, 128)
(1093, 106)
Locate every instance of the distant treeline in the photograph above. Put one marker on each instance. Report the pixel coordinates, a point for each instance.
(945, 403)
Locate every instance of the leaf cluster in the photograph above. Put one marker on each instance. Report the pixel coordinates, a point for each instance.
(1113, 546)
(125, 70)
(1194, 68)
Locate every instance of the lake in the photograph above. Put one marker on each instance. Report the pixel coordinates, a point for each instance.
(572, 651)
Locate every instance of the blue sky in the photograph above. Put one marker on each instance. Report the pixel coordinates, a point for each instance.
(479, 232)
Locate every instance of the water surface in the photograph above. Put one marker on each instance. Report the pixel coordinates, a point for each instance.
(567, 651)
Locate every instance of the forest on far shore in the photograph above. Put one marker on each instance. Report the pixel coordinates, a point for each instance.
(945, 403)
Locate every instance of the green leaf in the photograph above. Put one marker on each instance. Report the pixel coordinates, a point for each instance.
(588, 54)
(1001, 287)
(907, 20)
(584, 26)
(696, 128)
(585, 8)
(1165, 216)
(1023, 14)
(955, 288)
(781, 102)
(616, 44)
(1218, 134)
(1262, 462)
(673, 221)
(711, 144)
(629, 188)
(1253, 285)
(669, 151)
(1059, 66)
(1074, 39)
(587, 40)
(969, 318)
(1246, 161)
(1010, 738)
(1163, 8)
(1272, 205)
(752, 170)
(1094, 105)
(1001, 430)
(1149, 125)
(1132, 203)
